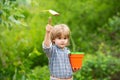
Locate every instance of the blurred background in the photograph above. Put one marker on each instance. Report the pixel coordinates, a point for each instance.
(95, 30)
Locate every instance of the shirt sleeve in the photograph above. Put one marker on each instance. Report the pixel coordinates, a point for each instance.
(47, 50)
(68, 51)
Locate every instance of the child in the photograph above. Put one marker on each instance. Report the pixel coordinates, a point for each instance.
(54, 45)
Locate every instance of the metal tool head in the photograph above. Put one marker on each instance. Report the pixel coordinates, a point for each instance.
(54, 13)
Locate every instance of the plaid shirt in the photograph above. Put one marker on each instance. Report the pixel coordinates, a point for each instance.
(59, 64)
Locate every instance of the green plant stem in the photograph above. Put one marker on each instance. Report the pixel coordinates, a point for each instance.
(73, 43)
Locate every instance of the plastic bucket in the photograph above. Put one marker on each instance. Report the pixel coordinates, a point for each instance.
(76, 59)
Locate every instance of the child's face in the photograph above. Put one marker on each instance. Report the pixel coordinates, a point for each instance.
(61, 41)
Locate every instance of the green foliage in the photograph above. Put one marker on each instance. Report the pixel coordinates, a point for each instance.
(98, 67)
(11, 14)
(38, 73)
(95, 29)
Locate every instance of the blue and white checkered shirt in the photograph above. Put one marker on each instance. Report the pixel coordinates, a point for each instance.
(59, 64)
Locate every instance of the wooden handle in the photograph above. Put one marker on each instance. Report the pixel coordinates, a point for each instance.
(50, 20)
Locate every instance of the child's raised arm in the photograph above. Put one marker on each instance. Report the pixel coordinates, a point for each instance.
(47, 40)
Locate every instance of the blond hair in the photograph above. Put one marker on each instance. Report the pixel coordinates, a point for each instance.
(60, 30)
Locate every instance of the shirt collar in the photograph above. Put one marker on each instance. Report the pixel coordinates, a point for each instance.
(59, 47)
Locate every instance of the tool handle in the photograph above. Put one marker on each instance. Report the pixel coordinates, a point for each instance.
(50, 20)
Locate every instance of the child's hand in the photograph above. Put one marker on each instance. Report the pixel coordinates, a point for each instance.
(48, 28)
(76, 69)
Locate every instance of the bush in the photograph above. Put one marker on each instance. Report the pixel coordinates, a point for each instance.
(98, 67)
(92, 23)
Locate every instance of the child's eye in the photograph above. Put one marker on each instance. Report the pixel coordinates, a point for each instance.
(65, 38)
(59, 38)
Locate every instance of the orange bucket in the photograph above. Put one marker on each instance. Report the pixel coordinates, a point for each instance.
(76, 59)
